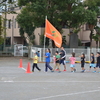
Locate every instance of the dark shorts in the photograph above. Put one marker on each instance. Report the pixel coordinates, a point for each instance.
(98, 65)
(58, 61)
(82, 65)
(62, 61)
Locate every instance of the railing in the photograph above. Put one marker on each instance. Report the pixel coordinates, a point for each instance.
(78, 52)
(9, 51)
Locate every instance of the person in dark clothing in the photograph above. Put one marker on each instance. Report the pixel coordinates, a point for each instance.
(82, 62)
(63, 57)
(98, 60)
(92, 64)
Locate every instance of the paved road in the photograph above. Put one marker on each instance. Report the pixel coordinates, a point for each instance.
(15, 84)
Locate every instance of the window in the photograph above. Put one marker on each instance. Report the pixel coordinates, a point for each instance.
(87, 27)
(9, 23)
(8, 41)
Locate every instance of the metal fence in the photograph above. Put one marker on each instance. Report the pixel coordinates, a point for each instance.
(9, 51)
(14, 50)
(78, 52)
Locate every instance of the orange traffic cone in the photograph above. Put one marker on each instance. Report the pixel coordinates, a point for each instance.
(28, 68)
(20, 64)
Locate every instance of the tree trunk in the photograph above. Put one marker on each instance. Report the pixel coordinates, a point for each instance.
(91, 33)
(91, 27)
(96, 44)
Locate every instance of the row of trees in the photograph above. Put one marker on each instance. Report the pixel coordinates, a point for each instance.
(68, 13)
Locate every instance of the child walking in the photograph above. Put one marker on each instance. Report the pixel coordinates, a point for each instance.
(98, 60)
(47, 60)
(35, 61)
(72, 62)
(92, 64)
(82, 62)
(57, 61)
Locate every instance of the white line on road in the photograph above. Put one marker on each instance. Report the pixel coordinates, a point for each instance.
(9, 81)
(62, 95)
(56, 82)
(24, 69)
(98, 87)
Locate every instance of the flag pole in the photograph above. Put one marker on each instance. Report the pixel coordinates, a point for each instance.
(44, 37)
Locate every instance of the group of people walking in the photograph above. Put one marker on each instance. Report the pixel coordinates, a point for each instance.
(59, 59)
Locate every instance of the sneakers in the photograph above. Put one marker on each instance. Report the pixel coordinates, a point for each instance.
(40, 70)
(88, 70)
(83, 70)
(74, 70)
(64, 70)
(94, 71)
(52, 71)
(57, 69)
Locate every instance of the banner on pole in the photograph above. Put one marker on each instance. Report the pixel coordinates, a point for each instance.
(52, 33)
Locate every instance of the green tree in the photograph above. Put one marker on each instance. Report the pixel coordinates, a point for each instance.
(1, 31)
(4, 5)
(69, 13)
(25, 21)
(93, 12)
(96, 38)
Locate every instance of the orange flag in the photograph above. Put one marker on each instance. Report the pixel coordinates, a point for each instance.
(52, 33)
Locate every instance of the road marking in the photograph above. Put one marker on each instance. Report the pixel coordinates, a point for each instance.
(54, 81)
(24, 69)
(62, 95)
(9, 81)
(98, 87)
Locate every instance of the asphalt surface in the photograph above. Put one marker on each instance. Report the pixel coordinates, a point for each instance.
(16, 84)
